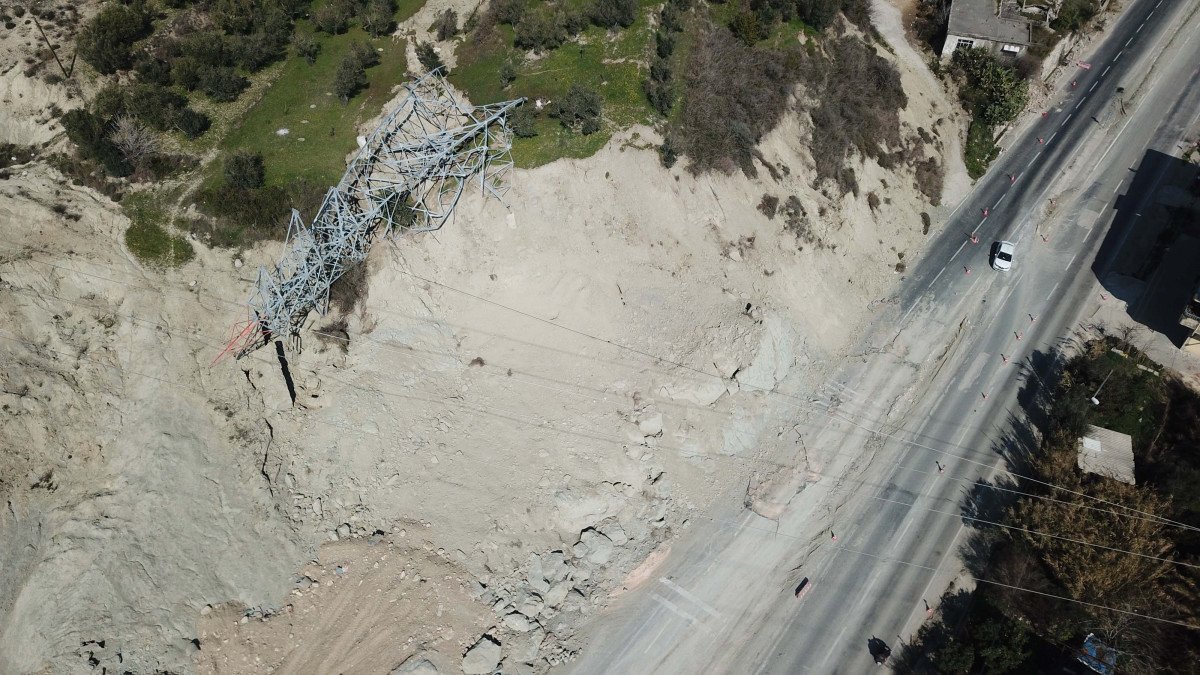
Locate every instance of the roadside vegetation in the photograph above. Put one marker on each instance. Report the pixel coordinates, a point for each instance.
(994, 92)
(1078, 571)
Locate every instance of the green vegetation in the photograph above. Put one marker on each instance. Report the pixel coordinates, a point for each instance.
(981, 148)
(147, 236)
(1112, 546)
(1074, 15)
(994, 94)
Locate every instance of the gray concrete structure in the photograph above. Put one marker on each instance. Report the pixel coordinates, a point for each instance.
(1108, 453)
(992, 25)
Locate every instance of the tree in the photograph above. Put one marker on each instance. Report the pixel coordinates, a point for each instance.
(331, 19)
(154, 106)
(306, 47)
(106, 41)
(429, 58)
(349, 79)
(508, 74)
(994, 92)
(244, 169)
(522, 122)
(818, 13)
(365, 53)
(133, 139)
(614, 13)
(446, 25)
(747, 27)
(580, 109)
(193, 124)
(378, 17)
(222, 84)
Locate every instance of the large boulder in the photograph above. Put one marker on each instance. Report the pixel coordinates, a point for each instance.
(483, 657)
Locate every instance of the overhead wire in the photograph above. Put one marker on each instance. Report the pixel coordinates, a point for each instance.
(826, 412)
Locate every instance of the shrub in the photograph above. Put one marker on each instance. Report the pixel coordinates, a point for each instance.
(664, 44)
(106, 41)
(256, 51)
(245, 170)
(155, 106)
(508, 74)
(193, 124)
(185, 72)
(208, 48)
(153, 71)
(222, 84)
(429, 58)
(331, 19)
(509, 11)
(446, 25)
(306, 47)
(731, 95)
(994, 92)
(538, 31)
(365, 53)
(580, 109)
(747, 27)
(818, 13)
(668, 152)
(522, 122)
(349, 79)
(769, 205)
(614, 13)
(377, 17)
(1074, 15)
(661, 95)
(669, 20)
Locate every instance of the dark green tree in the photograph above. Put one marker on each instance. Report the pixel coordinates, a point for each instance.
(106, 41)
(349, 79)
(429, 57)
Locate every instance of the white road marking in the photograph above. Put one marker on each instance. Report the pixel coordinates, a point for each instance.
(1139, 28)
(1066, 120)
(1080, 102)
(1128, 41)
(999, 200)
(1072, 259)
(1051, 293)
(674, 608)
(1118, 56)
(1106, 69)
(939, 276)
(1093, 86)
(960, 248)
(655, 640)
(1051, 137)
(1151, 13)
(1118, 190)
(690, 596)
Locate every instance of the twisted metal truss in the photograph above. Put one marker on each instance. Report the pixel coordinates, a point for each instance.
(407, 177)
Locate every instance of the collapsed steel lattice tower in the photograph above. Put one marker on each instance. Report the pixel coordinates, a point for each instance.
(406, 177)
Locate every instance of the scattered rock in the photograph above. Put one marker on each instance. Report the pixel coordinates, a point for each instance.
(482, 657)
(651, 425)
(518, 622)
(599, 547)
(616, 533)
(557, 593)
(415, 665)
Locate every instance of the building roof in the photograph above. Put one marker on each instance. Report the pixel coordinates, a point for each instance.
(1105, 452)
(989, 20)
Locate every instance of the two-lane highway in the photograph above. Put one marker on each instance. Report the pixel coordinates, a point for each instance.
(899, 436)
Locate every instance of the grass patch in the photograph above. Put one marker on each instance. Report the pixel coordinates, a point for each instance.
(1132, 401)
(981, 149)
(608, 64)
(321, 129)
(147, 236)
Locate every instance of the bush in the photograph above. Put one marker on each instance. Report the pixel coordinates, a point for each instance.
(155, 106)
(193, 124)
(521, 121)
(245, 170)
(994, 92)
(1074, 15)
(349, 79)
(661, 95)
(429, 58)
(255, 52)
(365, 53)
(538, 31)
(980, 149)
(509, 11)
(732, 94)
(153, 71)
(664, 44)
(446, 25)
(668, 152)
(331, 19)
(377, 18)
(106, 41)
(747, 27)
(185, 72)
(208, 48)
(508, 74)
(306, 47)
(222, 84)
(818, 13)
(580, 109)
(614, 13)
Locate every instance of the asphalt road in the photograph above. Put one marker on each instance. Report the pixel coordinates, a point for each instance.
(937, 386)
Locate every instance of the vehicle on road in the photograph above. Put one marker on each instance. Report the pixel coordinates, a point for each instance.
(803, 589)
(1002, 255)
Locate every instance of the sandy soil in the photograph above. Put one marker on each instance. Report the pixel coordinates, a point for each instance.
(536, 397)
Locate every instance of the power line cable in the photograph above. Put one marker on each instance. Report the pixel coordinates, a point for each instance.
(828, 413)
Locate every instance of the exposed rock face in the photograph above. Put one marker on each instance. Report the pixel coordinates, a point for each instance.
(482, 657)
